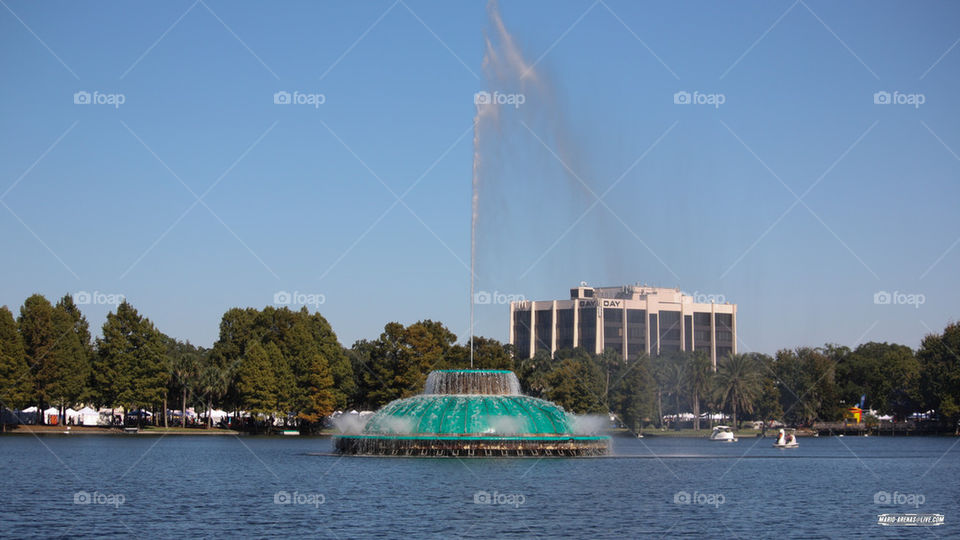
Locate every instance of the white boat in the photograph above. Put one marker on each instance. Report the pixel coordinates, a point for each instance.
(786, 440)
(723, 434)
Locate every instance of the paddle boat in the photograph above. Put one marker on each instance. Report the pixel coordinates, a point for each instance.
(786, 440)
(723, 434)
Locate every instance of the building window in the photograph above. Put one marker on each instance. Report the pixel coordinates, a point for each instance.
(521, 334)
(636, 331)
(654, 336)
(669, 331)
(565, 328)
(543, 327)
(588, 328)
(613, 329)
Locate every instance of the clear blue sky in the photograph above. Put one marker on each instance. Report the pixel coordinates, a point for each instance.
(96, 198)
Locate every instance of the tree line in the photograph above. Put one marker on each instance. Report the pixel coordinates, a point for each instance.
(288, 367)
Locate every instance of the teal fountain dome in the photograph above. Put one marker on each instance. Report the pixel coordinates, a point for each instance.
(472, 413)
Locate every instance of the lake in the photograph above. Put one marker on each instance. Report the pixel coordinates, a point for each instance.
(225, 486)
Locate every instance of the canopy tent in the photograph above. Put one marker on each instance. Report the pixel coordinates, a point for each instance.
(218, 415)
(87, 416)
(70, 416)
(52, 416)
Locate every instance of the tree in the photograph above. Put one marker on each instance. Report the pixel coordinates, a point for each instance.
(887, 374)
(52, 344)
(632, 394)
(131, 367)
(738, 383)
(184, 360)
(256, 379)
(940, 373)
(212, 383)
(16, 379)
(401, 358)
(577, 383)
(533, 373)
(673, 384)
(698, 376)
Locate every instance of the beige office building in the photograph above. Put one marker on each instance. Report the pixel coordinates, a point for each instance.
(630, 319)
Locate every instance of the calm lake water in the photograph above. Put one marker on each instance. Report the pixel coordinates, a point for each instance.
(224, 486)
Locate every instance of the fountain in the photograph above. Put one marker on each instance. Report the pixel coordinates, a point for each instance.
(472, 413)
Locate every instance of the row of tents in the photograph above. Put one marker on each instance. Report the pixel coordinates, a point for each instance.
(88, 416)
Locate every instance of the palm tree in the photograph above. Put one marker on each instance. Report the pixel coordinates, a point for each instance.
(184, 369)
(738, 383)
(213, 383)
(674, 385)
(698, 376)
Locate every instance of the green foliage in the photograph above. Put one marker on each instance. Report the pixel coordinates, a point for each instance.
(53, 342)
(400, 359)
(131, 365)
(313, 373)
(888, 374)
(16, 379)
(577, 383)
(256, 378)
(632, 394)
(807, 379)
(939, 357)
(738, 383)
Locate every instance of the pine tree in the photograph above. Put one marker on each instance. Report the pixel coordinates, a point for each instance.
(16, 378)
(131, 367)
(256, 379)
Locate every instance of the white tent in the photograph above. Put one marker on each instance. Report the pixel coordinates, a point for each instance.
(87, 416)
(218, 415)
(51, 412)
(70, 416)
